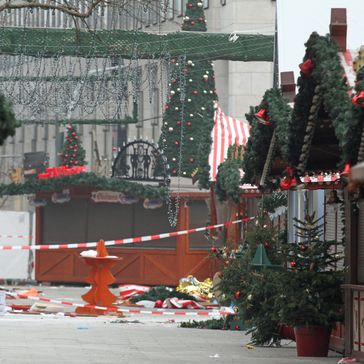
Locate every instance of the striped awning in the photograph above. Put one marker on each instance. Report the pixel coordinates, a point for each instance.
(226, 132)
(346, 59)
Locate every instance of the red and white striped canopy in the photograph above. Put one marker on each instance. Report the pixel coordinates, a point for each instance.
(226, 132)
(346, 59)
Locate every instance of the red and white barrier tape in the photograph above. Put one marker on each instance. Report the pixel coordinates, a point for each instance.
(124, 310)
(138, 239)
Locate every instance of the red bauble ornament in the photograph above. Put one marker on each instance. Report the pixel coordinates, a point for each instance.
(200, 19)
(292, 264)
(188, 123)
(71, 161)
(176, 142)
(303, 247)
(71, 140)
(226, 262)
(195, 92)
(66, 155)
(76, 137)
(237, 327)
(67, 166)
(306, 67)
(266, 244)
(192, 22)
(76, 162)
(74, 133)
(237, 294)
(174, 81)
(158, 304)
(73, 155)
(190, 5)
(213, 250)
(70, 147)
(285, 184)
(174, 171)
(192, 160)
(179, 122)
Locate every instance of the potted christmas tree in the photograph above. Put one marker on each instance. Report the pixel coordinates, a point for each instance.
(310, 296)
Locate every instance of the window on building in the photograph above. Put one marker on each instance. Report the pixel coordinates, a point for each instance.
(223, 2)
(170, 9)
(179, 7)
(155, 13)
(206, 4)
(163, 10)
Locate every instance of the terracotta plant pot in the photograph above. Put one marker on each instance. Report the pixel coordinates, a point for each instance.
(312, 340)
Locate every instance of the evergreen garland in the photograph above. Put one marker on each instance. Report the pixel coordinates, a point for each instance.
(8, 123)
(327, 74)
(189, 114)
(259, 141)
(161, 293)
(32, 186)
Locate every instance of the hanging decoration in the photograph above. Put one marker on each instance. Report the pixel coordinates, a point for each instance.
(358, 100)
(61, 197)
(61, 171)
(307, 67)
(152, 203)
(262, 117)
(36, 202)
(54, 72)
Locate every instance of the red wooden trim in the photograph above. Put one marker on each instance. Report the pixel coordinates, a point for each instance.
(359, 321)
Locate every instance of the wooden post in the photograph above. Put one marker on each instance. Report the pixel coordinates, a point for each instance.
(182, 246)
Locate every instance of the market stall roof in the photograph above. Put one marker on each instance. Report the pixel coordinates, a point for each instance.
(324, 131)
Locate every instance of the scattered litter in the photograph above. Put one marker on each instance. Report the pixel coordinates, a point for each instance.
(47, 308)
(32, 292)
(347, 360)
(145, 303)
(125, 322)
(214, 356)
(20, 307)
(83, 327)
(129, 290)
(249, 346)
(89, 253)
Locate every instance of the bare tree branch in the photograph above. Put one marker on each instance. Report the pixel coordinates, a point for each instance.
(52, 5)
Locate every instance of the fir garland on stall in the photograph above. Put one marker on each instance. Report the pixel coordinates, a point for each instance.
(32, 186)
(189, 113)
(327, 74)
(279, 113)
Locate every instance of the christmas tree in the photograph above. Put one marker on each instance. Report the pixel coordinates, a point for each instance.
(310, 292)
(250, 281)
(73, 152)
(189, 112)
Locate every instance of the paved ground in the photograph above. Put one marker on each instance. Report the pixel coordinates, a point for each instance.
(133, 339)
